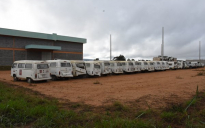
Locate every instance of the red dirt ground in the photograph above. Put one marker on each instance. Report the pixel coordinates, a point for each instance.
(154, 89)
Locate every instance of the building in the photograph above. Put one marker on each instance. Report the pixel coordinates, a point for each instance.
(164, 58)
(24, 45)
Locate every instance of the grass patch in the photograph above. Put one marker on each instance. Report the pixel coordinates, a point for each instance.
(96, 82)
(202, 73)
(20, 107)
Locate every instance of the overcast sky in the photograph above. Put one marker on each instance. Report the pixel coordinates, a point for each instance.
(135, 25)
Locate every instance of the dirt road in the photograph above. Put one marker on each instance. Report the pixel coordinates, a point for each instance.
(155, 89)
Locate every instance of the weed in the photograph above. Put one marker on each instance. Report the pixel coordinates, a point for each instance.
(76, 105)
(168, 116)
(96, 82)
(179, 77)
(119, 106)
(202, 73)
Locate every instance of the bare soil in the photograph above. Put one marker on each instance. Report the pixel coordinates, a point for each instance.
(151, 89)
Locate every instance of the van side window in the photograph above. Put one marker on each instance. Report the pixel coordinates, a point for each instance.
(53, 64)
(122, 64)
(65, 65)
(28, 66)
(21, 65)
(14, 65)
(111, 64)
(130, 63)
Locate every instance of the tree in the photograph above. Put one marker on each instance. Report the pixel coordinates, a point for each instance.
(119, 58)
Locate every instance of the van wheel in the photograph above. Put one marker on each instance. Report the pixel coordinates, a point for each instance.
(15, 78)
(29, 80)
(54, 77)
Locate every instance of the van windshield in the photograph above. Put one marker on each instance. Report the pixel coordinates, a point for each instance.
(80, 65)
(145, 63)
(14, 65)
(96, 66)
(42, 66)
(65, 65)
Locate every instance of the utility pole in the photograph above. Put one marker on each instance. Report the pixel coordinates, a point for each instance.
(110, 48)
(199, 51)
(162, 45)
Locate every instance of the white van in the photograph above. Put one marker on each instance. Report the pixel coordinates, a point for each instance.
(78, 67)
(150, 65)
(137, 66)
(30, 70)
(105, 67)
(93, 68)
(180, 64)
(157, 66)
(116, 67)
(127, 66)
(171, 65)
(194, 64)
(144, 65)
(60, 69)
(166, 65)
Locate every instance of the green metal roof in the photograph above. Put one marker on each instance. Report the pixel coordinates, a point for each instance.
(33, 46)
(10, 32)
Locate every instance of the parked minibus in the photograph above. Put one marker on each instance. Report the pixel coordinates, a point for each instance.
(127, 66)
(60, 69)
(144, 65)
(116, 67)
(105, 67)
(137, 66)
(93, 68)
(30, 70)
(180, 64)
(78, 68)
(150, 65)
(157, 66)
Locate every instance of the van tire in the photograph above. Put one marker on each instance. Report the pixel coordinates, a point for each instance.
(15, 78)
(29, 80)
(54, 77)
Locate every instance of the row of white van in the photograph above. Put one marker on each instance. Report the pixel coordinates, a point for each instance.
(54, 69)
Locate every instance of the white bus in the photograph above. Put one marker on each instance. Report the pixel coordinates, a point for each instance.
(30, 70)
(137, 66)
(127, 66)
(116, 67)
(93, 68)
(150, 65)
(144, 65)
(105, 67)
(60, 69)
(78, 67)
(180, 64)
(157, 66)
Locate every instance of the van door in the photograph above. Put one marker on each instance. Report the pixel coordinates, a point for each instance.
(20, 72)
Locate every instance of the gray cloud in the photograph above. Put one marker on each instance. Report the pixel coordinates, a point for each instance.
(135, 25)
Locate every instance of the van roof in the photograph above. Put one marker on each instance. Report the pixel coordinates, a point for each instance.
(30, 61)
(57, 60)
